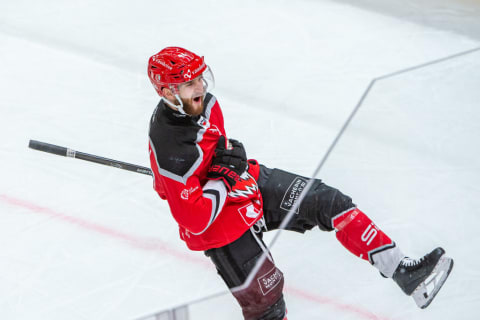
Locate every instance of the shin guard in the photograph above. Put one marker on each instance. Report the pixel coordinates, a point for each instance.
(363, 238)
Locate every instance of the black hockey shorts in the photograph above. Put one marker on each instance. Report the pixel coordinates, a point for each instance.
(263, 299)
(281, 189)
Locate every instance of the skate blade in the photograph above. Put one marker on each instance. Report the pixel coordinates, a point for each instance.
(427, 290)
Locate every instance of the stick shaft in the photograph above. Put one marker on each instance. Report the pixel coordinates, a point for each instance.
(67, 152)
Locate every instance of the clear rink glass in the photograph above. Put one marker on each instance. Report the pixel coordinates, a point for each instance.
(409, 159)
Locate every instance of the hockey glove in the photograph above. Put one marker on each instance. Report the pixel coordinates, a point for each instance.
(233, 155)
(230, 165)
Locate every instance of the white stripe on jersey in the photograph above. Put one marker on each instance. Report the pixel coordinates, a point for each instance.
(216, 191)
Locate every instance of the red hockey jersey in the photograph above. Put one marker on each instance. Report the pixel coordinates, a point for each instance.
(181, 149)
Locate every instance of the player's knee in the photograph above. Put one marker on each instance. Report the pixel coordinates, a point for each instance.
(325, 203)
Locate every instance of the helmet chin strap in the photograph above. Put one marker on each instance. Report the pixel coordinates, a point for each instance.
(178, 107)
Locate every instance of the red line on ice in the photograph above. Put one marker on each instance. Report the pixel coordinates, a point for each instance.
(163, 247)
(348, 308)
(143, 243)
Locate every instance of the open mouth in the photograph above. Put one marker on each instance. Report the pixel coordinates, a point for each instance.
(197, 99)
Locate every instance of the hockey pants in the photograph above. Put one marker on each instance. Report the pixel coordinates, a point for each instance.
(323, 206)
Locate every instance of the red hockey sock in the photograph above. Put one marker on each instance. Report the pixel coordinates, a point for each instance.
(360, 235)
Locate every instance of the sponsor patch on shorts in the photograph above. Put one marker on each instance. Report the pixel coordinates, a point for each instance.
(269, 280)
(293, 193)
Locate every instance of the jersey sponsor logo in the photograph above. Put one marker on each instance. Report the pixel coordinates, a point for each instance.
(293, 193)
(269, 280)
(250, 213)
(214, 129)
(185, 193)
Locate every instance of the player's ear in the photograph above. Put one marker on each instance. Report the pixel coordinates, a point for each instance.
(167, 93)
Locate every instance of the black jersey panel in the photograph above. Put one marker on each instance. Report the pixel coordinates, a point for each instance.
(174, 138)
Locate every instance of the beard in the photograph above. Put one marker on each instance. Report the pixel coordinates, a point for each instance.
(193, 106)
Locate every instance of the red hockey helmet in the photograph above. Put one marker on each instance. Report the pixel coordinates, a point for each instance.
(173, 66)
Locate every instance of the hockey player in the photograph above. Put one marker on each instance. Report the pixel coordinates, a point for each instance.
(223, 202)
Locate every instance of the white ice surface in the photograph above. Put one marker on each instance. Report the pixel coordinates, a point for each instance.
(84, 241)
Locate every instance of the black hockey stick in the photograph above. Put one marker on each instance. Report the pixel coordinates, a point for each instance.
(67, 152)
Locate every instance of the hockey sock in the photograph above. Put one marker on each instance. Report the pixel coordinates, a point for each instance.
(363, 238)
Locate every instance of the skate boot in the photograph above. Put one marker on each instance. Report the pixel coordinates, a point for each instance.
(423, 278)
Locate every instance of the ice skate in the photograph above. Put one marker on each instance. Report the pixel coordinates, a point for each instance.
(423, 278)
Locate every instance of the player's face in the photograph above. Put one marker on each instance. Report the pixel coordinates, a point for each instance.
(191, 93)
